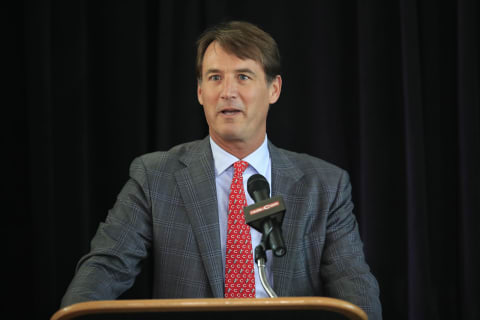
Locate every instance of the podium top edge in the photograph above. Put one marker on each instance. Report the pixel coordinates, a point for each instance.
(210, 304)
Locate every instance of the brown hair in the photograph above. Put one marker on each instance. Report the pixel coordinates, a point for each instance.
(244, 40)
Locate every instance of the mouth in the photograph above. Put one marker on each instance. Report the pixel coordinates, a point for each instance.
(230, 111)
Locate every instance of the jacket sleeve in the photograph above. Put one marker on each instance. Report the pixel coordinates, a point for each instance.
(344, 271)
(118, 247)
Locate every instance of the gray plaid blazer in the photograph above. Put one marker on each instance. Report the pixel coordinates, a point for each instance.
(168, 209)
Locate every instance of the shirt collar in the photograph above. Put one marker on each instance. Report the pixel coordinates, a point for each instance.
(223, 160)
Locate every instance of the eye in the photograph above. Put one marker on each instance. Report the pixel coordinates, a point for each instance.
(243, 77)
(214, 77)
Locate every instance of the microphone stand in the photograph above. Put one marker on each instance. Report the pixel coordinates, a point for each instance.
(261, 259)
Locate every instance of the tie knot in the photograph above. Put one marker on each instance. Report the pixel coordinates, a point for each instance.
(240, 166)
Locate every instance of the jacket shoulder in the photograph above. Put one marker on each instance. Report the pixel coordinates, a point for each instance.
(170, 158)
(309, 164)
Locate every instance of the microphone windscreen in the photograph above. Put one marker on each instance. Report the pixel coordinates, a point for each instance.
(256, 183)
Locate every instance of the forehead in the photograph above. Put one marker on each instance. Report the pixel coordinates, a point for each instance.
(216, 57)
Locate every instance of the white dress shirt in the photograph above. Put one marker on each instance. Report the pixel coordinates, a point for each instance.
(258, 162)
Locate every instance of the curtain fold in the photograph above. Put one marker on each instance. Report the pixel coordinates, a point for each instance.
(415, 165)
(468, 184)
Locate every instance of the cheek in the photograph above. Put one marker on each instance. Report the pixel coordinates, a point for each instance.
(209, 97)
(252, 98)
(208, 112)
(259, 100)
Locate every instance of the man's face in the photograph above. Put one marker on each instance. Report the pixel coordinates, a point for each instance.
(235, 97)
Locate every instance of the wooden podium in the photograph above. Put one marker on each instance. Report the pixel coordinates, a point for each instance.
(293, 308)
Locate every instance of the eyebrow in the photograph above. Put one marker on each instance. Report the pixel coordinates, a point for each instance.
(209, 71)
(245, 70)
(242, 70)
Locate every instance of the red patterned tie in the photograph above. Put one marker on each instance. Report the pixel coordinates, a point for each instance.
(239, 272)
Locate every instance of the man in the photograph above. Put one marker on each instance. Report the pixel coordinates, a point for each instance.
(177, 205)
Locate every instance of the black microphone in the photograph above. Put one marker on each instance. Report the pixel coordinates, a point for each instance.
(266, 215)
(258, 188)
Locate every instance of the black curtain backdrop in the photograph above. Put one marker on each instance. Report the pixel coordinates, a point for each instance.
(388, 90)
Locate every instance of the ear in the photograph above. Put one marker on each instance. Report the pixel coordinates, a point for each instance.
(199, 92)
(275, 89)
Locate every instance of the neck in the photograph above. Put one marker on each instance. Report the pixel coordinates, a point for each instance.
(238, 148)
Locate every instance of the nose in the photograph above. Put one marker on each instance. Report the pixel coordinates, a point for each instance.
(229, 89)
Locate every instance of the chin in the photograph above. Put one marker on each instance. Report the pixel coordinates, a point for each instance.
(229, 136)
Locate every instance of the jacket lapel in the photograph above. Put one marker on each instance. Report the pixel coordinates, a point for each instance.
(197, 186)
(285, 176)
